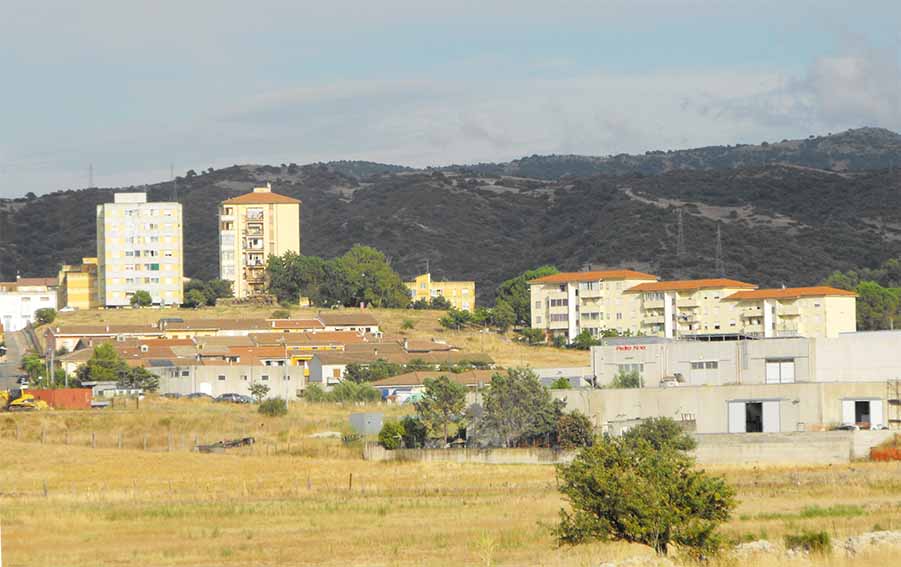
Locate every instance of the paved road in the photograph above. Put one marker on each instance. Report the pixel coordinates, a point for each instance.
(15, 349)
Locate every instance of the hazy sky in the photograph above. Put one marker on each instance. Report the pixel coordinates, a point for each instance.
(134, 86)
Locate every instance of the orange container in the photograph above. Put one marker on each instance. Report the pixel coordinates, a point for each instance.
(65, 398)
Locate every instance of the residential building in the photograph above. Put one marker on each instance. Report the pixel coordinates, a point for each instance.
(253, 227)
(565, 304)
(78, 285)
(139, 248)
(689, 307)
(799, 311)
(461, 295)
(19, 300)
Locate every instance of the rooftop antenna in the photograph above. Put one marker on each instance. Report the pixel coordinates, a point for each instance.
(720, 267)
(680, 234)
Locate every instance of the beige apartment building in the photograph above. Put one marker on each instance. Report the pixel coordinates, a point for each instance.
(565, 304)
(78, 285)
(139, 247)
(253, 227)
(635, 303)
(461, 295)
(689, 307)
(800, 311)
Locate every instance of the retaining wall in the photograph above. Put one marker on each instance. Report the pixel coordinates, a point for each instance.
(375, 452)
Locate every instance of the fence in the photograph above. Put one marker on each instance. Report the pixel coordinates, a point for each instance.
(531, 456)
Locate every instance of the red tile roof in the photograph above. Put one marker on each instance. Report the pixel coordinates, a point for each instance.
(469, 378)
(262, 198)
(566, 277)
(791, 293)
(690, 285)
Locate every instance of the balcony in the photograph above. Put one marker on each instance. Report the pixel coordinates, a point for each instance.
(252, 244)
(254, 215)
(590, 292)
(687, 303)
(792, 311)
(653, 319)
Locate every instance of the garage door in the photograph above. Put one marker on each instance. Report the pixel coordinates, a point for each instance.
(736, 417)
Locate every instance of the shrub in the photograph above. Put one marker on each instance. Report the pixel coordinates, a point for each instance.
(258, 391)
(392, 435)
(662, 432)
(626, 380)
(274, 407)
(141, 298)
(407, 324)
(351, 392)
(415, 432)
(281, 314)
(314, 393)
(574, 430)
(45, 316)
(533, 336)
(561, 383)
(810, 541)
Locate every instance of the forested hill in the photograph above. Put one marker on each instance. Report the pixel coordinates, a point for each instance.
(780, 224)
(859, 149)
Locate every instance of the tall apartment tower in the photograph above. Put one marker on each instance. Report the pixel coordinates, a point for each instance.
(139, 248)
(253, 227)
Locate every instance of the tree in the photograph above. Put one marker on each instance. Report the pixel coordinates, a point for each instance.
(194, 298)
(574, 430)
(876, 306)
(626, 489)
(533, 336)
(33, 365)
(258, 391)
(561, 383)
(503, 315)
(518, 408)
(292, 275)
(662, 432)
(281, 314)
(392, 435)
(138, 378)
(415, 432)
(455, 319)
(273, 407)
(442, 401)
(368, 278)
(376, 370)
(584, 341)
(515, 292)
(141, 298)
(105, 365)
(440, 303)
(626, 380)
(45, 316)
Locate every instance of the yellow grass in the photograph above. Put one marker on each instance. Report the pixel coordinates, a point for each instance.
(505, 351)
(107, 506)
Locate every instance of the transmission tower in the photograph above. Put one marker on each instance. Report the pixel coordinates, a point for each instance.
(90, 175)
(680, 234)
(720, 267)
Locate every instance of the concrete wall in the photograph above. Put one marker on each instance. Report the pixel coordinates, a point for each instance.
(283, 381)
(375, 452)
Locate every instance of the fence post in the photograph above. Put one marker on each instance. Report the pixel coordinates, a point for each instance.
(93, 440)
(350, 481)
(145, 441)
(120, 439)
(169, 443)
(43, 435)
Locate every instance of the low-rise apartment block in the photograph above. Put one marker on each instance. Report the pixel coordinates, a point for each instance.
(78, 285)
(19, 300)
(634, 303)
(461, 295)
(139, 248)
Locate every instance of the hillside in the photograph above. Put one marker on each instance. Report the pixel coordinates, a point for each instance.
(781, 224)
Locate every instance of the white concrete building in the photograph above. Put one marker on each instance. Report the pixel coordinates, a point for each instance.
(20, 299)
(139, 247)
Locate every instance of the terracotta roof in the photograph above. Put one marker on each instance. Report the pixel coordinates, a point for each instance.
(105, 330)
(468, 378)
(689, 285)
(37, 282)
(348, 319)
(262, 198)
(565, 277)
(220, 325)
(296, 324)
(791, 293)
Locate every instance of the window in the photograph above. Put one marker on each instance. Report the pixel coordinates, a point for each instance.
(619, 316)
(286, 378)
(153, 267)
(538, 319)
(222, 377)
(780, 371)
(264, 378)
(562, 287)
(705, 365)
(537, 305)
(185, 373)
(558, 317)
(559, 302)
(628, 368)
(244, 377)
(336, 372)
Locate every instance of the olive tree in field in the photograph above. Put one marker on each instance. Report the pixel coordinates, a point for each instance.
(643, 488)
(442, 401)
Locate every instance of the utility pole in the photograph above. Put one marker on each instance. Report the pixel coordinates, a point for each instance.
(720, 267)
(680, 235)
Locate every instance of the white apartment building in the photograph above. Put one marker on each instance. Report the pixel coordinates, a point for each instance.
(139, 247)
(20, 299)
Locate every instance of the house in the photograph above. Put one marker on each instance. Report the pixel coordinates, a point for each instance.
(19, 300)
(460, 294)
(401, 387)
(349, 321)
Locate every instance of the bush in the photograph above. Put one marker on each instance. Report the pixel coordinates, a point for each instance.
(574, 430)
(141, 298)
(407, 324)
(344, 392)
(314, 393)
(274, 407)
(415, 432)
(533, 336)
(626, 380)
(45, 316)
(281, 314)
(561, 383)
(392, 435)
(812, 542)
(662, 432)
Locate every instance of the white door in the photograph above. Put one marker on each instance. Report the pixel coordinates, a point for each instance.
(736, 417)
(848, 412)
(787, 371)
(772, 372)
(875, 413)
(771, 417)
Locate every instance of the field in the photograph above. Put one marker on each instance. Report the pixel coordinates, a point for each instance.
(505, 351)
(301, 500)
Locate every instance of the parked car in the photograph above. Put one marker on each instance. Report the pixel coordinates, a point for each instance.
(847, 427)
(196, 395)
(235, 398)
(172, 395)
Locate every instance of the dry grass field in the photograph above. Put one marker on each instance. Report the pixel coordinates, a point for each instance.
(299, 500)
(505, 351)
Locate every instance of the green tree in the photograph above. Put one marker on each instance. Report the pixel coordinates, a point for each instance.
(662, 432)
(105, 365)
(876, 306)
(515, 292)
(440, 303)
(45, 316)
(626, 380)
(840, 280)
(584, 341)
(218, 289)
(534, 336)
(518, 408)
(392, 435)
(503, 315)
(292, 275)
(415, 432)
(273, 407)
(455, 319)
(138, 378)
(281, 314)
(258, 391)
(574, 430)
(561, 383)
(34, 366)
(141, 298)
(625, 489)
(376, 370)
(442, 401)
(194, 298)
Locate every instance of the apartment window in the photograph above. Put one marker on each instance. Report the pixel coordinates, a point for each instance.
(264, 378)
(422, 285)
(168, 254)
(705, 365)
(129, 253)
(653, 296)
(558, 317)
(465, 292)
(129, 281)
(153, 267)
(185, 373)
(222, 377)
(619, 316)
(244, 377)
(538, 319)
(632, 367)
(780, 370)
(537, 305)
(286, 378)
(559, 302)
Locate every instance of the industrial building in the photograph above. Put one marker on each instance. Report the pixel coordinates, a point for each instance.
(139, 248)
(253, 227)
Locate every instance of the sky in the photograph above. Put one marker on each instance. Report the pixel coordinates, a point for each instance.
(134, 88)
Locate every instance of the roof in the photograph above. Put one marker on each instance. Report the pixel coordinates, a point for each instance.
(36, 282)
(262, 198)
(219, 325)
(296, 324)
(105, 330)
(791, 293)
(565, 277)
(348, 319)
(307, 339)
(468, 378)
(690, 285)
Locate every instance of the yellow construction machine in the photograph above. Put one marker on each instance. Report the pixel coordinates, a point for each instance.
(17, 399)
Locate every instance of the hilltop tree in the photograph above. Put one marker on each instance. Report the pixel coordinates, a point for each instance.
(503, 315)
(441, 402)
(877, 306)
(515, 292)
